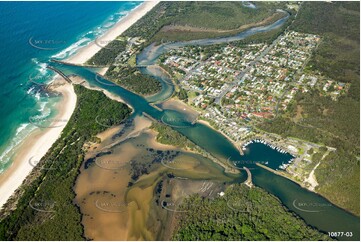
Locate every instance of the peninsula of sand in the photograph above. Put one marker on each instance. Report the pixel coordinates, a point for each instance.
(37, 144)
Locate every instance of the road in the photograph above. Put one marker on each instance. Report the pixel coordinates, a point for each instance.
(239, 77)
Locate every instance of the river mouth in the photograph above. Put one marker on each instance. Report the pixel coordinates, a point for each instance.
(297, 199)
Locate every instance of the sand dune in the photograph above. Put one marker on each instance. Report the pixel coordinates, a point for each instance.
(88, 51)
(35, 146)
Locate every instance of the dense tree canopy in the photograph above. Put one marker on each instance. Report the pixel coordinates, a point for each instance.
(55, 216)
(241, 214)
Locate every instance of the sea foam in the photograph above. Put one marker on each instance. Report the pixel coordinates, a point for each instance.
(71, 49)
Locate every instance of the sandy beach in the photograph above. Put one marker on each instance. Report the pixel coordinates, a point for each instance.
(180, 106)
(88, 51)
(80, 81)
(35, 146)
(236, 145)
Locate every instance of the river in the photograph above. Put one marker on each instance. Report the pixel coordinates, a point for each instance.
(314, 209)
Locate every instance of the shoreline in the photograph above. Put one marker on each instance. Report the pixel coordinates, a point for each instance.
(302, 186)
(286, 175)
(85, 53)
(181, 106)
(202, 121)
(14, 176)
(80, 81)
(37, 144)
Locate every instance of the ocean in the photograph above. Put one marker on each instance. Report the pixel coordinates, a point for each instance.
(32, 33)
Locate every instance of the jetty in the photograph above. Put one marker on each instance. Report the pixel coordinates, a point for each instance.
(60, 73)
(150, 117)
(156, 107)
(279, 173)
(248, 182)
(74, 64)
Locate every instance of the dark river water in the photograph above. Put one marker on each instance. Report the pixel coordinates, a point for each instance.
(314, 209)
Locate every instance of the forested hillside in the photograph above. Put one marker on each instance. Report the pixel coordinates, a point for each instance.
(333, 123)
(241, 214)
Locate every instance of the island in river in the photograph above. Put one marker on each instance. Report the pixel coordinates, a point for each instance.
(146, 190)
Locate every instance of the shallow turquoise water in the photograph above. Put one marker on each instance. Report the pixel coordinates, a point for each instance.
(59, 27)
(314, 209)
(21, 100)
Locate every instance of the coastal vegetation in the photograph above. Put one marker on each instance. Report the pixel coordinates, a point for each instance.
(184, 33)
(224, 19)
(123, 71)
(322, 120)
(222, 16)
(337, 23)
(149, 220)
(167, 135)
(151, 174)
(44, 203)
(243, 213)
(186, 20)
(107, 55)
(132, 79)
(182, 94)
(269, 36)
